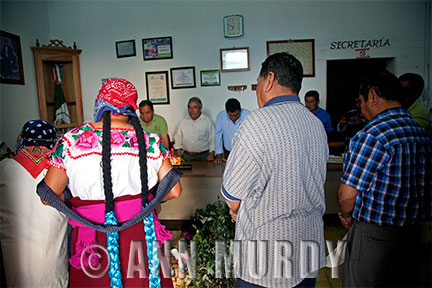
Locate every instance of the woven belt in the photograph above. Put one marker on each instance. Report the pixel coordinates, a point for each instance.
(195, 153)
(165, 185)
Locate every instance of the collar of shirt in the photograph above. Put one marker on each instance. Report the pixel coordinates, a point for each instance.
(199, 118)
(243, 115)
(318, 110)
(391, 111)
(282, 99)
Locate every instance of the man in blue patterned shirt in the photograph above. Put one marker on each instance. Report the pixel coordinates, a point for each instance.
(385, 190)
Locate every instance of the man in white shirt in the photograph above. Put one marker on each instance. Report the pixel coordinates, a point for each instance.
(195, 134)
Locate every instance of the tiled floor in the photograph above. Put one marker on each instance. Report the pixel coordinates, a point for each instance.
(333, 232)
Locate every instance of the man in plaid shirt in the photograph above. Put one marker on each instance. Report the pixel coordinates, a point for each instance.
(385, 190)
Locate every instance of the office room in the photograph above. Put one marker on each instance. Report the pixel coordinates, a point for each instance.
(336, 42)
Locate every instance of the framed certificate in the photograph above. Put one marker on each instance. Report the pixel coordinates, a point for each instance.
(210, 78)
(303, 50)
(157, 87)
(183, 77)
(234, 59)
(125, 48)
(157, 48)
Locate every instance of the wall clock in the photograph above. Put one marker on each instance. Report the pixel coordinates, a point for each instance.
(233, 26)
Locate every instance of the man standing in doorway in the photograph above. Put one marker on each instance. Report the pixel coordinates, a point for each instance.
(152, 122)
(274, 183)
(312, 101)
(227, 123)
(385, 190)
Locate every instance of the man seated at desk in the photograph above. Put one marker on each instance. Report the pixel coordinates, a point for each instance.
(152, 122)
(195, 134)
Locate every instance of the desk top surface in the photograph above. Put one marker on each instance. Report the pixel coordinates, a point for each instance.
(211, 169)
(203, 169)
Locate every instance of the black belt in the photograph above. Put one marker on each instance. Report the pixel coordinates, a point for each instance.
(195, 153)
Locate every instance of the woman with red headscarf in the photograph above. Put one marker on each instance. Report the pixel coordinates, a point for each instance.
(110, 168)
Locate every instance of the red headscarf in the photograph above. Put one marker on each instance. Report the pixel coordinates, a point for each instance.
(118, 96)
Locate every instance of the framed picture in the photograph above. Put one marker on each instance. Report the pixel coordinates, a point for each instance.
(183, 77)
(303, 50)
(157, 48)
(234, 59)
(210, 78)
(125, 48)
(11, 63)
(157, 87)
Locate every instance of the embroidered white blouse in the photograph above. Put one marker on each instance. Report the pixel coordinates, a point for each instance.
(79, 154)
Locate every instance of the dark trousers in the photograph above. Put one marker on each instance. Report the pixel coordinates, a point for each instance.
(200, 157)
(306, 283)
(382, 256)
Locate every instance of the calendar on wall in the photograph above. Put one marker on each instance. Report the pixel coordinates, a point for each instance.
(302, 49)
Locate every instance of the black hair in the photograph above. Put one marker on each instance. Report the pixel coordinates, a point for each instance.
(146, 103)
(232, 105)
(106, 160)
(142, 152)
(415, 86)
(312, 93)
(385, 84)
(287, 69)
(197, 100)
(110, 219)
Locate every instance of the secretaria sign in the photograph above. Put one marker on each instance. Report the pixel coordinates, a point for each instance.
(360, 44)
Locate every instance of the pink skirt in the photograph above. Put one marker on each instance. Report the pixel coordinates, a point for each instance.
(78, 278)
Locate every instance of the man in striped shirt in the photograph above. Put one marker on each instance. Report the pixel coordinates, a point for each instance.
(274, 184)
(385, 190)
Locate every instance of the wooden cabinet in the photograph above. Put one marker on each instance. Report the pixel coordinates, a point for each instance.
(67, 58)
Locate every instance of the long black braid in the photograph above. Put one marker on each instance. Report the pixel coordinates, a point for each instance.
(106, 162)
(150, 235)
(142, 158)
(112, 243)
(110, 219)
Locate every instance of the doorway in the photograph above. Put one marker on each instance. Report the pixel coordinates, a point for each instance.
(343, 81)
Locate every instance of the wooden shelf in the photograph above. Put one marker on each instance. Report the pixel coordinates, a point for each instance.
(45, 57)
(67, 102)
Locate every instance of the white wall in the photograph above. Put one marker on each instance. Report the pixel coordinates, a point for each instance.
(197, 32)
(19, 103)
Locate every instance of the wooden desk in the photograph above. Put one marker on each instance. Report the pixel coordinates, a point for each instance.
(336, 144)
(202, 169)
(201, 186)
